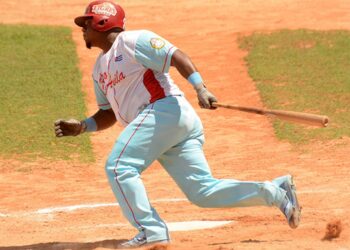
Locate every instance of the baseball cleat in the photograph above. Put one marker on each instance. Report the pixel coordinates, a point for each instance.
(290, 206)
(139, 240)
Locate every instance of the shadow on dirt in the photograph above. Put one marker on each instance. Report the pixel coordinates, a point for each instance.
(112, 244)
(259, 241)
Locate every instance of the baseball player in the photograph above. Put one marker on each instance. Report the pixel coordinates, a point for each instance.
(133, 86)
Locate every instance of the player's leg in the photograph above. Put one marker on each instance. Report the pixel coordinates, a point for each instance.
(153, 132)
(186, 163)
(130, 155)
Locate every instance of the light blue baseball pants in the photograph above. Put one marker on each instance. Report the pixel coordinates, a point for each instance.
(170, 131)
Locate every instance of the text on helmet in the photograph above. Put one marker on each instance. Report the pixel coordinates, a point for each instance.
(106, 9)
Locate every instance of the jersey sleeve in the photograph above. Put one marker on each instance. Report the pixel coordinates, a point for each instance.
(101, 98)
(154, 52)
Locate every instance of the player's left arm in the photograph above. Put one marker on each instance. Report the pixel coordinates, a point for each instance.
(188, 70)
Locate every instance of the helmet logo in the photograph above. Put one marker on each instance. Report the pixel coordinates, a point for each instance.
(106, 9)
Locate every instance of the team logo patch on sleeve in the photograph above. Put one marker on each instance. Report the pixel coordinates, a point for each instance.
(157, 43)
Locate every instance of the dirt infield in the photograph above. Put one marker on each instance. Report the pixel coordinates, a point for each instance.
(240, 146)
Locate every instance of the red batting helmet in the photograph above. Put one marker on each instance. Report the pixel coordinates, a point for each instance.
(105, 15)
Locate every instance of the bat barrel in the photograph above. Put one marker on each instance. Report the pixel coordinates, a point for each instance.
(306, 118)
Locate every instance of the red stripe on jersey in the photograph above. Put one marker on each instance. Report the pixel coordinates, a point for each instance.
(153, 86)
(166, 58)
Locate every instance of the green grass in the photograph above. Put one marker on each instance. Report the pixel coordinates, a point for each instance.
(303, 70)
(40, 82)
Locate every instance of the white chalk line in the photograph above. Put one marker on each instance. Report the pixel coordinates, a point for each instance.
(67, 209)
(172, 226)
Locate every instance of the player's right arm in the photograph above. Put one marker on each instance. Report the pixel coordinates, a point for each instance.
(102, 119)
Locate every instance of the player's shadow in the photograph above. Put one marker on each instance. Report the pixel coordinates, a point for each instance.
(111, 244)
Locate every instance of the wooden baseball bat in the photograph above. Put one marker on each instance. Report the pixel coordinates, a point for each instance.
(299, 117)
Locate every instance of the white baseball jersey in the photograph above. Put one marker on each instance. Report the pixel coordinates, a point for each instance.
(133, 74)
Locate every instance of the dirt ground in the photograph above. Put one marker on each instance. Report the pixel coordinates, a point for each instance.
(238, 145)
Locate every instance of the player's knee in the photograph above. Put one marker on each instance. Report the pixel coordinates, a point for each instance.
(110, 165)
(112, 168)
(121, 170)
(122, 174)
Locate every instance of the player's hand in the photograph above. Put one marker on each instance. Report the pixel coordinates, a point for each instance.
(69, 127)
(205, 98)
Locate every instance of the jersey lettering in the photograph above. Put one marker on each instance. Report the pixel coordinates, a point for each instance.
(117, 78)
(133, 74)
